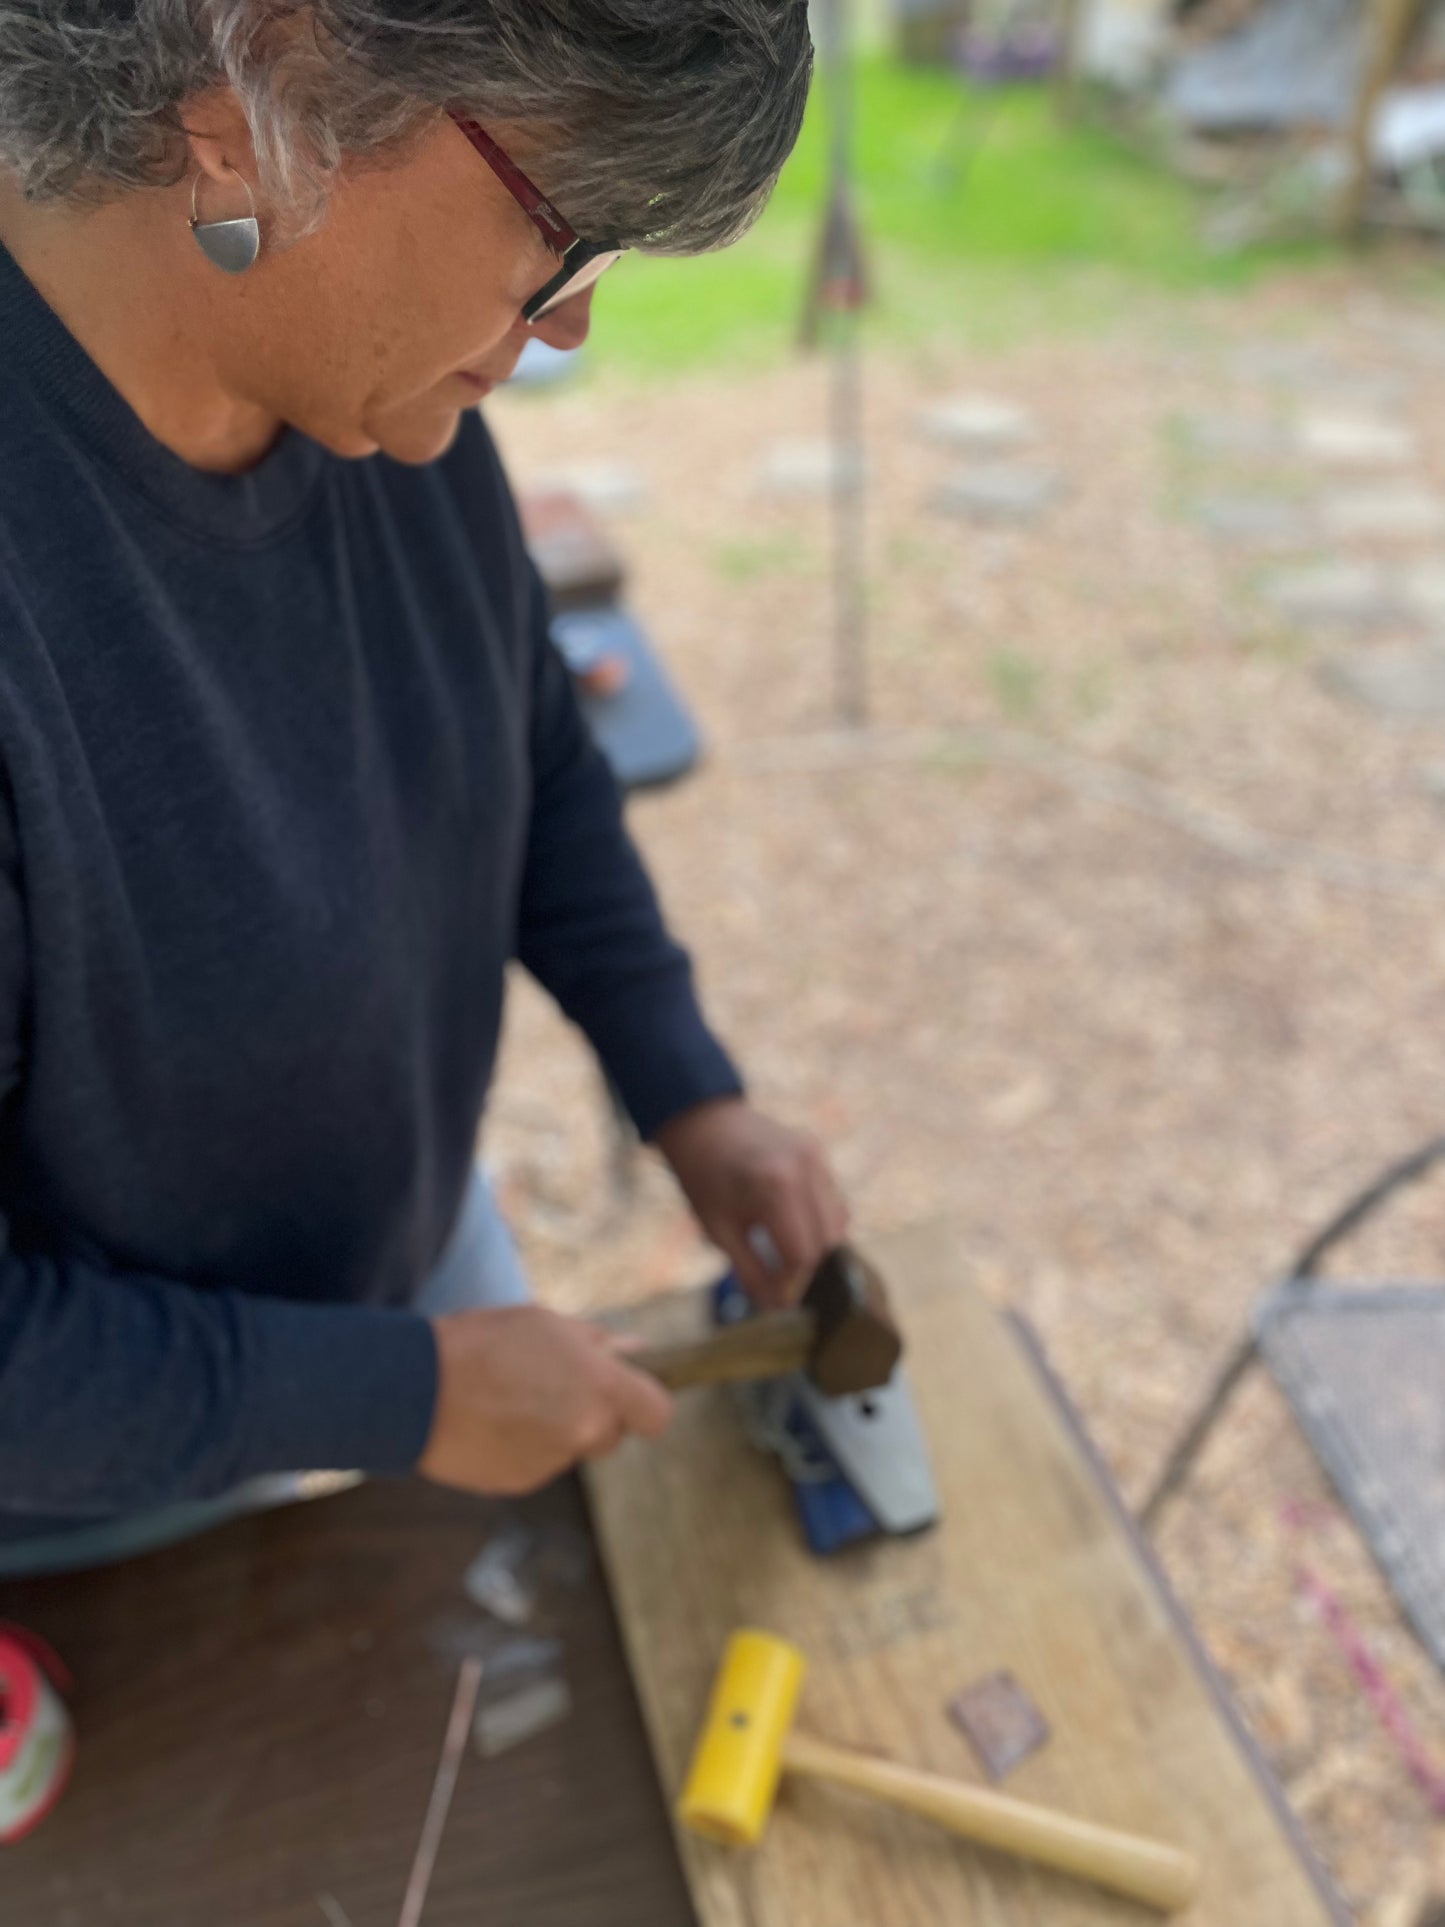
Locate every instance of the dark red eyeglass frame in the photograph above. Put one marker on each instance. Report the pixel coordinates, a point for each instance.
(576, 254)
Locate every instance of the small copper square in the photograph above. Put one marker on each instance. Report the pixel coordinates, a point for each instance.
(1001, 1722)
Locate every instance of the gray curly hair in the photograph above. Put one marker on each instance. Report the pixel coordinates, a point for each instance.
(663, 122)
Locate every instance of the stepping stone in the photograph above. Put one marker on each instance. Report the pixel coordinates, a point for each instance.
(1261, 519)
(978, 424)
(1387, 512)
(1346, 595)
(1403, 682)
(1294, 364)
(609, 487)
(1421, 591)
(1355, 440)
(1299, 366)
(1224, 435)
(804, 468)
(997, 494)
(1367, 392)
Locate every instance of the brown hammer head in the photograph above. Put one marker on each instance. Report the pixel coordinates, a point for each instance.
(856, 1343)
(842, 1334)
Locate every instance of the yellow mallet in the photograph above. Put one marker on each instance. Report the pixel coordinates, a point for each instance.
(748, 1741)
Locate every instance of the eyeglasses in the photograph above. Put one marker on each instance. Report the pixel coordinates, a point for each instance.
(582, 261)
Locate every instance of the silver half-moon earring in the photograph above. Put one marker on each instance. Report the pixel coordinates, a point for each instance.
(231, 246)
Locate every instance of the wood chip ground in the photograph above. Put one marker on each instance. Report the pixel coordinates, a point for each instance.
(1120, 943)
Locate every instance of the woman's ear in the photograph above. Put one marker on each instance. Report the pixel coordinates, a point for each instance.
(218, 137)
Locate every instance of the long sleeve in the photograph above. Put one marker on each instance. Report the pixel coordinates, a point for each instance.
(590, 928)
(122, 1391)
(119, 1391)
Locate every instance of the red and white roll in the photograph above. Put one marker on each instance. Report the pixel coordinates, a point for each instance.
(37, 1741)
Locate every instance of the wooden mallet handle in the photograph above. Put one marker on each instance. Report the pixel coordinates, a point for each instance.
(1145, 1870)
(765, 1346)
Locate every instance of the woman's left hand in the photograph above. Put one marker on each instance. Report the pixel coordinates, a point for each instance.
(763, 1193)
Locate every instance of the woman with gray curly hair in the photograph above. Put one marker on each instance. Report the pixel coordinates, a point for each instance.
(290, 769)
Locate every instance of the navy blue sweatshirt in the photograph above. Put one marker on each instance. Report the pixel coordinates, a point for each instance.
(288, 772)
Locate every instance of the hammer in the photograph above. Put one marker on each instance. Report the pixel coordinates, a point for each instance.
(748, 1741)
(842, 1334)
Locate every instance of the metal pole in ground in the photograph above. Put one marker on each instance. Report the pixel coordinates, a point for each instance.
(850, 584)
(835, 299)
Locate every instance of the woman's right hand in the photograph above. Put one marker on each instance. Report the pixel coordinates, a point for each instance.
(522, 1394)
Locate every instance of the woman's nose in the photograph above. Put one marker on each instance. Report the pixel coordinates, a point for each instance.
(567, 326)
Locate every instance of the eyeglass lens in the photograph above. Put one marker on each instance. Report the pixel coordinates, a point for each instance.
(554, 295)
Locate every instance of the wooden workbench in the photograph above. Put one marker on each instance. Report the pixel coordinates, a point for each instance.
(261, 1713)
(1034, 1569)
(261, 1710)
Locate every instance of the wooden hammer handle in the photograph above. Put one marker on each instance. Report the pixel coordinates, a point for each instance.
(762, 1347)
(1145, 1870)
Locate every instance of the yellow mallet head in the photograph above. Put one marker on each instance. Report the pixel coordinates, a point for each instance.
(739, 1757)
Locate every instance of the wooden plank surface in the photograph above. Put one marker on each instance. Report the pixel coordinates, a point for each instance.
(260, 1715)
(1034, 1569)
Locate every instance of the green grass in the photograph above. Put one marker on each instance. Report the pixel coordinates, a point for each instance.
(1016, 682)
(746, 559)
(1041, 225)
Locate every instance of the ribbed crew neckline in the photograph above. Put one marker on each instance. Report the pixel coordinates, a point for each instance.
(232, 509)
